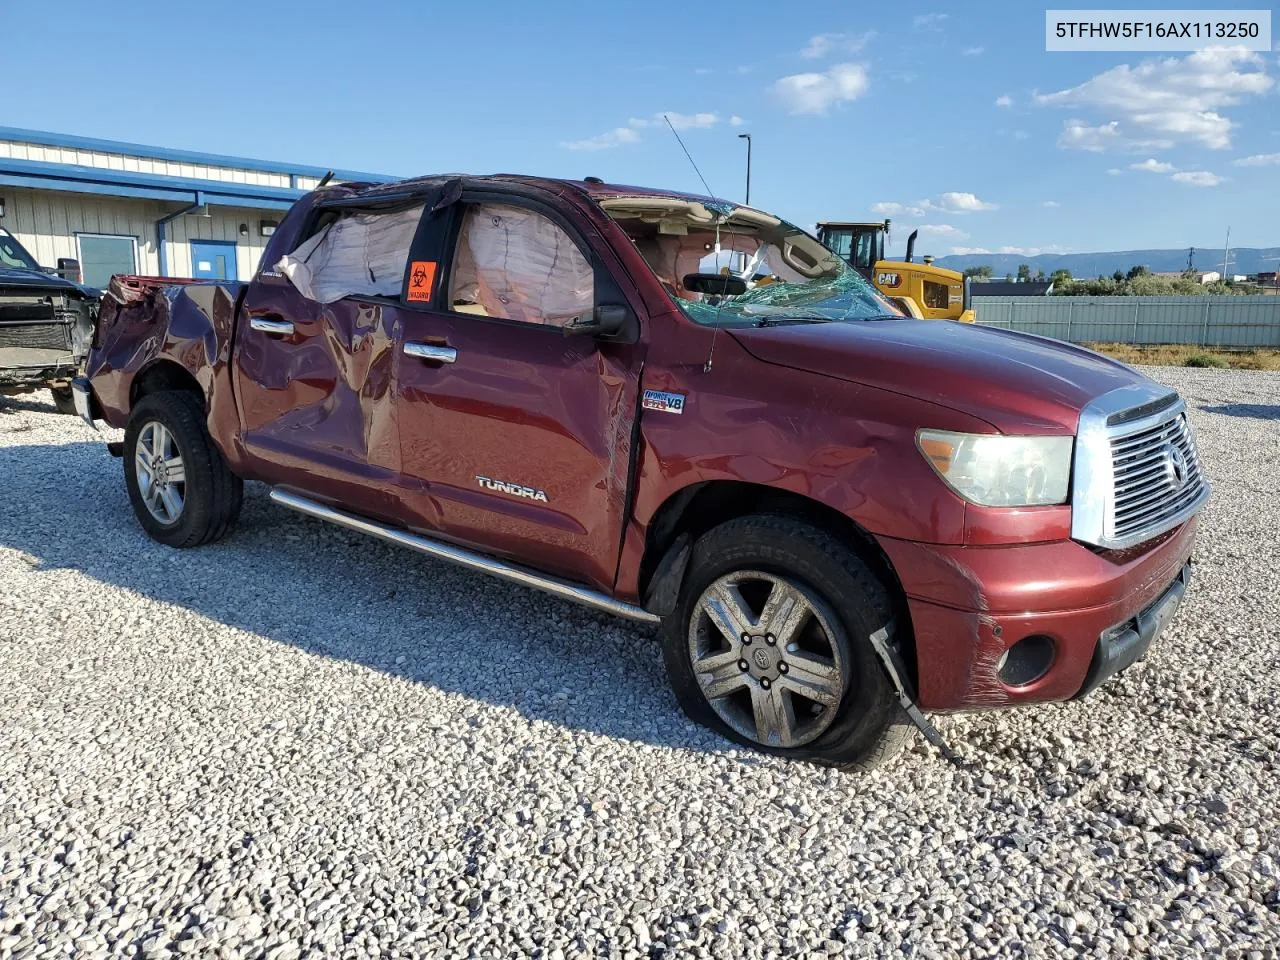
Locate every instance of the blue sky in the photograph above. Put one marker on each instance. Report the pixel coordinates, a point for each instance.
(948, 118)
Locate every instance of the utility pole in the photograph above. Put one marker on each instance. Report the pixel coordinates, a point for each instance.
(747, 137)
(1226, 252)
(1191, 260)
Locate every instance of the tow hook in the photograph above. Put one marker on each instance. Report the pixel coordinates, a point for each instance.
(898, 675)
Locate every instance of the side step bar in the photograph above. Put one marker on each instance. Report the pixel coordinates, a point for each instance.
(466, 558)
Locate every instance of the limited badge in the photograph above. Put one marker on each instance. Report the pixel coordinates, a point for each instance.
(422, 277)
(661, 400)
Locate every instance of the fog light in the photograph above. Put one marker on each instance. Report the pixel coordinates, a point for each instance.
(1026, 661)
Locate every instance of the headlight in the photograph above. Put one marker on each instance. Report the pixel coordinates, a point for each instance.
(999, 471)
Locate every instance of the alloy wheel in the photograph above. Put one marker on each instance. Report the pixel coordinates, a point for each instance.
(766, 656)
(162, 478)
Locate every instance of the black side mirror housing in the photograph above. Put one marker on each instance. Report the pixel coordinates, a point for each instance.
(606, 320)
(714, 284)
(69, 269)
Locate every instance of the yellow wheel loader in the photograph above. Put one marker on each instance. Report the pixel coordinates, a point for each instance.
(920, 289)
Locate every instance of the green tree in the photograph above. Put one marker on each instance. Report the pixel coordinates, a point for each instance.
(1024, 272)
(1060, 276)
(982, 273)
(1138, 271)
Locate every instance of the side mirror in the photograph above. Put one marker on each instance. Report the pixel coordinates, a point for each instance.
(606, 320)
(715, 284)
(69, 269)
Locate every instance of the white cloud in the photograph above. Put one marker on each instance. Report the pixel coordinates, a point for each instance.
(963, 203)
(962, 251)
(736, 121)
(703, 71)
(1153, 166)
(681, 121)
(1259, 160)
(929, 21)
(1021, 135)
(1168, 100)
(818, 92)
(1114, 172)
(825, 44)
(1051, 203)
(616, 137)
(1004, 101)
(1078, 135)
(973, 51)
(952, 202)
(1031, 251)
(623, 136)
(1198, 178)
(942, 231)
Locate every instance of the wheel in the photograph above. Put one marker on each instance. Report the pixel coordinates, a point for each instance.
(770, 644)
(181, 489)
(64, 400)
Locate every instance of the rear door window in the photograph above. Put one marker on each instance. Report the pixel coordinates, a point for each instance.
(362, 253)
(512, 263)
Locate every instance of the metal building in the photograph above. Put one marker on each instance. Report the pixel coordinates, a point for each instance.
(126, 208)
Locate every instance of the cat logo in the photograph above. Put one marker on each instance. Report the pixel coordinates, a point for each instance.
(888, 280)
(514, 489)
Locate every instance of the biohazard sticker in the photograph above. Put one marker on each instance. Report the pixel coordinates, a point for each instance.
(422, 277)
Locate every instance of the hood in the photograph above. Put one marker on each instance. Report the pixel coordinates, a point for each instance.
(1014, 381)
(36, 279)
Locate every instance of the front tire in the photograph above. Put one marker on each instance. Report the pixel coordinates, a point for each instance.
(770, 644)
(182, 491)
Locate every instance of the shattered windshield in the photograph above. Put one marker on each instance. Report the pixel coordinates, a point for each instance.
(12, 254)
(788, 275)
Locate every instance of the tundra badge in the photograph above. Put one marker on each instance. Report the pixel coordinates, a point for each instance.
(661, 400)
(512, 488)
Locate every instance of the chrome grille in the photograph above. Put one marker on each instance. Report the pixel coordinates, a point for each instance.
(1136, 473)
(1156, 475)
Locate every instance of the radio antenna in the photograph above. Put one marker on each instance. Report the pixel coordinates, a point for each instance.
(710, 193)
(715, 332)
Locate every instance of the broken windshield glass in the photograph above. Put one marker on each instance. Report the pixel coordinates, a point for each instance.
(788, 273)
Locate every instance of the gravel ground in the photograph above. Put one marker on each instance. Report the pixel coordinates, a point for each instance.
(301, 742)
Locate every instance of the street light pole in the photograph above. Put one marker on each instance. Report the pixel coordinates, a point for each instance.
(747, 137)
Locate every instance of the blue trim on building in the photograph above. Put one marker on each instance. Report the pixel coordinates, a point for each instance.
(151, 186)
(68, 141)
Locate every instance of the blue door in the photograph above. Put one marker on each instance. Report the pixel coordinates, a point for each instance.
(213, 260)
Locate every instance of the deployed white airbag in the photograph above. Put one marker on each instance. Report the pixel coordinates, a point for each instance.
(360, 254)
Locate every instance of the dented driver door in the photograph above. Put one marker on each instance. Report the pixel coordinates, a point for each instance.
(517, 437)
(313, 372)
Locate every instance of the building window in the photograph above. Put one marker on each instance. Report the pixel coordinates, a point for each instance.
(102, 256)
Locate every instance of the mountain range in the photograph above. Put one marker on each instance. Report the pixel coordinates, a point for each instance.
(1244, 260)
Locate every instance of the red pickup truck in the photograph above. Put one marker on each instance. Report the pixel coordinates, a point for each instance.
(676, 409)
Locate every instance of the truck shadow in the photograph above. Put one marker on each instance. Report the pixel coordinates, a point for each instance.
(334, 593)
(1252, 411)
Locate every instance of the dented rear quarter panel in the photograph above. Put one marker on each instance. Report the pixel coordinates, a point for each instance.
(187, 324)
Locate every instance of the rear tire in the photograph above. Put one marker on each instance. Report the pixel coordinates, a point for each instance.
(182, 491)
(807, 683)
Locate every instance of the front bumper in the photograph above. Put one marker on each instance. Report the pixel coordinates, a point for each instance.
(969, 605)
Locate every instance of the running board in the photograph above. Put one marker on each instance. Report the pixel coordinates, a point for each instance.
(465, 558)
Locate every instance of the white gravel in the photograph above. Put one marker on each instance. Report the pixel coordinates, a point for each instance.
(301, 742)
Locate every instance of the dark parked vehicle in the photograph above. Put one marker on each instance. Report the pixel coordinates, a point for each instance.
(681, 410)
(46, 321)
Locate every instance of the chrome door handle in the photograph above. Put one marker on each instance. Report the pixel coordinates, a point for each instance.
(280, 328)
(430, 351)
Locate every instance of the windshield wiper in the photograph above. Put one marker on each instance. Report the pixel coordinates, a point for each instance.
(779, 321)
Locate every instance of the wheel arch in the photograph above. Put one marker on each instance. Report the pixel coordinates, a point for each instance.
(694, 509)
(163, 373)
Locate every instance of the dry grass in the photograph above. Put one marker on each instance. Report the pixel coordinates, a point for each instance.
(1177, 356)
